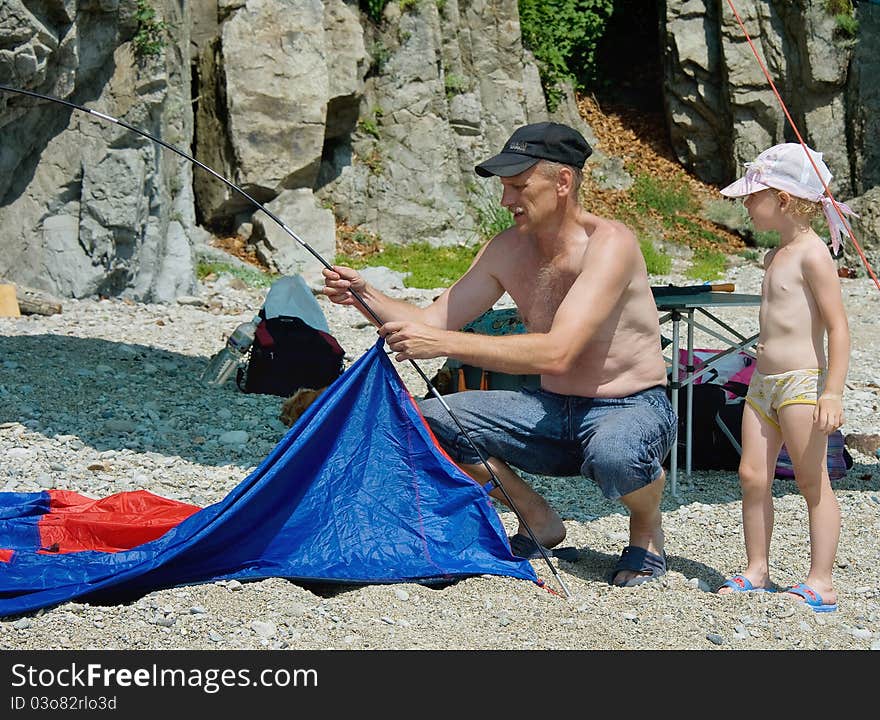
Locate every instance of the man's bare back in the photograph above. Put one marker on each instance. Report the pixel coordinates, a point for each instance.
(623, 355)
(788, 308)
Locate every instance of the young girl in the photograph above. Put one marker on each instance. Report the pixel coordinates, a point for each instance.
(795, 394)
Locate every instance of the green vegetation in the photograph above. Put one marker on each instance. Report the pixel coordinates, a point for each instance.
(428, 266)
(374, 161)
(707, 265)
(659, 263)
(380, 55)
(369, 127)
(491, 217)
(407, 5)
(562, 35)
(254, 278)
(455, 84)
(373, 9)
(149, 39)
(750, 255)
(667, 198)
(847, 26)
(668, 210)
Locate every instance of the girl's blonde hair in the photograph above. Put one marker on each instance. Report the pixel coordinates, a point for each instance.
(801, 207)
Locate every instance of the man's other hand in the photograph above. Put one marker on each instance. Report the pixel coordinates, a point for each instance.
(413, 341)
(340, 281)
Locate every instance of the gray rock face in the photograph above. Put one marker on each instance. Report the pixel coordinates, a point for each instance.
(87, 205)
(866, 228)
(722, 110)
(864, 105)
(313, 225)
(323, 116)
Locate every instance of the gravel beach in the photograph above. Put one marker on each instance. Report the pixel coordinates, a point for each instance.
(104, 397)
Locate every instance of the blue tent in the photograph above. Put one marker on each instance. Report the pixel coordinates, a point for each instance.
(357, 491)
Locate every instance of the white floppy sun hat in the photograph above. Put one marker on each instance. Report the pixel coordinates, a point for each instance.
(787, 167)
(784, 167)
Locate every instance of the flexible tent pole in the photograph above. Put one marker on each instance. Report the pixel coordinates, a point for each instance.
(496, 482)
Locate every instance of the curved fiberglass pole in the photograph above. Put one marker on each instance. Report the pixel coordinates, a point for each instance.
(495, 481)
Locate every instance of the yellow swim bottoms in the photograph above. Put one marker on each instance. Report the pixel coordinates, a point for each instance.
(768, 393)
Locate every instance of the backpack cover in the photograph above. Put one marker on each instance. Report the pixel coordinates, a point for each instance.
(289, 354)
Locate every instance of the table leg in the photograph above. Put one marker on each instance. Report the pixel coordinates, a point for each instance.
(673, 394)
(688, 378)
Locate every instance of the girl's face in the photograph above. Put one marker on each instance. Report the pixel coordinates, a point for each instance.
(764, 210)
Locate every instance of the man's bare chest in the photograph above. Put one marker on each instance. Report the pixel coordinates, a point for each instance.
(540, 294)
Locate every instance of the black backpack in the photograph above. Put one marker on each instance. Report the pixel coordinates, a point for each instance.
(711, 449)
(288, 354)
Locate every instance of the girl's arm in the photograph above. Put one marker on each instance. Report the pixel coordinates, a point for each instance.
(820, 273)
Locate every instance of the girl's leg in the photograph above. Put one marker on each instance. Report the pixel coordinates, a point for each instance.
(807, 446)
(761, 442)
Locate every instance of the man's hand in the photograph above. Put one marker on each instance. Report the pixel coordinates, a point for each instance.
(828, 415)
(338, 283)
(413, 341)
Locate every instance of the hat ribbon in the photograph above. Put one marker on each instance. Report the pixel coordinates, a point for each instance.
(836, 223)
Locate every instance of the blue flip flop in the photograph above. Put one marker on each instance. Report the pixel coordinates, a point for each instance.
(740, 583)
(812, 599)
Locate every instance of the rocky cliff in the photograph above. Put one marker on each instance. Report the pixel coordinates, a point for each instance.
(323, 115)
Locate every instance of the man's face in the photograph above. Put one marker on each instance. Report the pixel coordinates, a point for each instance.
(529, 196)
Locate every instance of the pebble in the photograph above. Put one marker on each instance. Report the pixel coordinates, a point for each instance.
(151, 425)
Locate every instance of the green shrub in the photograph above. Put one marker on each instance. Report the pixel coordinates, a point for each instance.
(379, 55)
(455, 84)
(373, 9)
(659, 263)
(838, 7)
(562, 35)
(846, 26)
(490, 216)
(254, 278)
(843, 11)
(428, 266)
(707, 265)
(664, 197)
(149, 39)
(369, 126)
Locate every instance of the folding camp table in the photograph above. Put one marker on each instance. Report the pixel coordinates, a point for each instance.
(683, 306)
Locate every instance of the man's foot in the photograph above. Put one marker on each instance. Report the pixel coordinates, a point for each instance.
(636, 566)
(547, 527)
(523, 546)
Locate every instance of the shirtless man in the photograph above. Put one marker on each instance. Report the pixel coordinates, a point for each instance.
(581, 286)
(796, 392)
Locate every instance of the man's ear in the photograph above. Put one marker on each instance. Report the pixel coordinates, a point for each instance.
(564, 181)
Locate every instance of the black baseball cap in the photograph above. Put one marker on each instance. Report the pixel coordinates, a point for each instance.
(539, 141)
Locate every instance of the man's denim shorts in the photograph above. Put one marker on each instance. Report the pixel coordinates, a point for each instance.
(620, 443)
